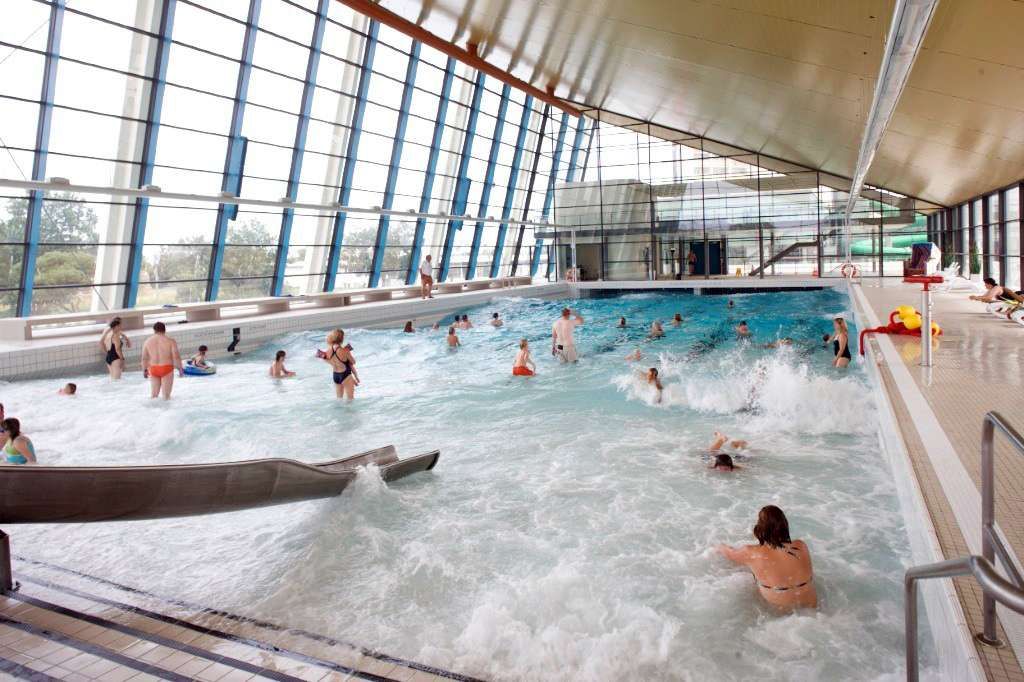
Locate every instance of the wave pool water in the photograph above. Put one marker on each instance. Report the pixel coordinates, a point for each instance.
(565, 533)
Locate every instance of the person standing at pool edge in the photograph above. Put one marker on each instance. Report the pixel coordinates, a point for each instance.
(563, 342)
(426, 278)
(160, 357)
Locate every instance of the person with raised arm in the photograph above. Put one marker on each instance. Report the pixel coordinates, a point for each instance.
(563, 341)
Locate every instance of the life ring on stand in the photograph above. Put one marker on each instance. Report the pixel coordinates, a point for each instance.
(849, 271)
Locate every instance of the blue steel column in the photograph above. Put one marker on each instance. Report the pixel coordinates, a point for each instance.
(431, 172)
(485, 194)
(556, 161)
(351, 152)
(298, 150)
(510, 190)
(156, 103)
(577, 142)
(33, 224)
(396, 158)
(235, 158)
(461, 195)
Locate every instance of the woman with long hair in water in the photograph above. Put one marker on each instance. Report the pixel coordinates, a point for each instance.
(840, 343)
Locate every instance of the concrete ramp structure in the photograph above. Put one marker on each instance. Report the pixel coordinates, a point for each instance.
(41, 494)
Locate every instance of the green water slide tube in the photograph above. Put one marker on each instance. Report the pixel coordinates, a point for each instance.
(897, 246)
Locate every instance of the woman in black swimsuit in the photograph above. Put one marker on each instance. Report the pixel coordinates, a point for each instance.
(113, 342)
(343, 365)
(841, 343)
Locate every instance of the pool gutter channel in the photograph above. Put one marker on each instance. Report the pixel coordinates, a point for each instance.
(951, 636)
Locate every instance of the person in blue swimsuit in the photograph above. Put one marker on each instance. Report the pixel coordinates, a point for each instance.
(343, 364)
(18, 448)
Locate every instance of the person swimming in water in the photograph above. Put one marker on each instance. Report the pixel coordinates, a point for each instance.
(622, 323)
(277, 368)
(723, 462)
(408, 328)
(840, 343)
(781, 567)
(199, 359)
(68, 389)
(160, 357)
(677, 320)
(743, 331)
(466, 324)
(496, 320)
(18, 448)
(657, 331)
(113, 342)
(653, 380)
(635, 356)
(523, 365)
(784, 341)
(343, 365)
(730, 304)
(453, 339)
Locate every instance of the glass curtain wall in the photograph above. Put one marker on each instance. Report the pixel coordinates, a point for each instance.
(296, 100)
(655, 203)
(985, 236)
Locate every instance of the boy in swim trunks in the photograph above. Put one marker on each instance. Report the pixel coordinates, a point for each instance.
(523, 365)
(160, 357)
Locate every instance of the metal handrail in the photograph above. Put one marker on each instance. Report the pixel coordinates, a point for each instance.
(995, 588)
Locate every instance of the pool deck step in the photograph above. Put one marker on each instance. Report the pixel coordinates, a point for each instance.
(65, 625)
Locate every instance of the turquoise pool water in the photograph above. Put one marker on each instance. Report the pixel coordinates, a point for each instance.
(564, 534)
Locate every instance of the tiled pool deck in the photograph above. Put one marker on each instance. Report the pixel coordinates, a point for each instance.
(977, 368)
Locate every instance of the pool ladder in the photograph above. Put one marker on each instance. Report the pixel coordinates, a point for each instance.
(996, 588)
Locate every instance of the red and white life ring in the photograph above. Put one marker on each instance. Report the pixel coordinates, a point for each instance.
(849, 270)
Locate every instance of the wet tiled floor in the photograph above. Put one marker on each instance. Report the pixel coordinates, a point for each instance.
(977, 368)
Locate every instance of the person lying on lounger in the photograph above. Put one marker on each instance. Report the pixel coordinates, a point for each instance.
(992, 294)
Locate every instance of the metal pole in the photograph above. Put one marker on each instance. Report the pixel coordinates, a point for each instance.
(910, 625)
(988, 513)
(6, 577)
(926, 327)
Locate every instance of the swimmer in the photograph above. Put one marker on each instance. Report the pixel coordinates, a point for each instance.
(723, 462)
(160, 357)
(113, 342)
(743, 331)
(496, 320)
(453, 338)
(435, 326)
(784, 341)
(622, 323)
(657, 331)
(199, 359)
(731, 305)
(653, 380)
(840, 343)
(466, 324)
(69, 389)
(343, 365)
(677, 320)
(523, 365)
(781, 566)
(721, 439)
(18, 448)
(277, 369)
(635, 356)
(408, 328)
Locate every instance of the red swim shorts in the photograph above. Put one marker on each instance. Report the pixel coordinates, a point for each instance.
(160, 371)
(522, 371)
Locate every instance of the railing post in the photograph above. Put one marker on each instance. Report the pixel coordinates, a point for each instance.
(926, 331)
(6, 576)
(988, 512)
(910, 625)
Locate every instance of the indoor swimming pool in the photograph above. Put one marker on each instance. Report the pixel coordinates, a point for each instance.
(565, 533)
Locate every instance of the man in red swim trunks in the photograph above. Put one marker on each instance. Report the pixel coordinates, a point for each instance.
(160, 357)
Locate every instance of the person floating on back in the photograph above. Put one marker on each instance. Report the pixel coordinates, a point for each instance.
(160, 357)
(68, 389)
(523, 365)
(721, 440)
(781, 566)
(18, 448)
(496, 320)
(277, 369)
(563, 341)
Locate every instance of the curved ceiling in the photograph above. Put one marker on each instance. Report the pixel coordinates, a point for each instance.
(788, 78)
